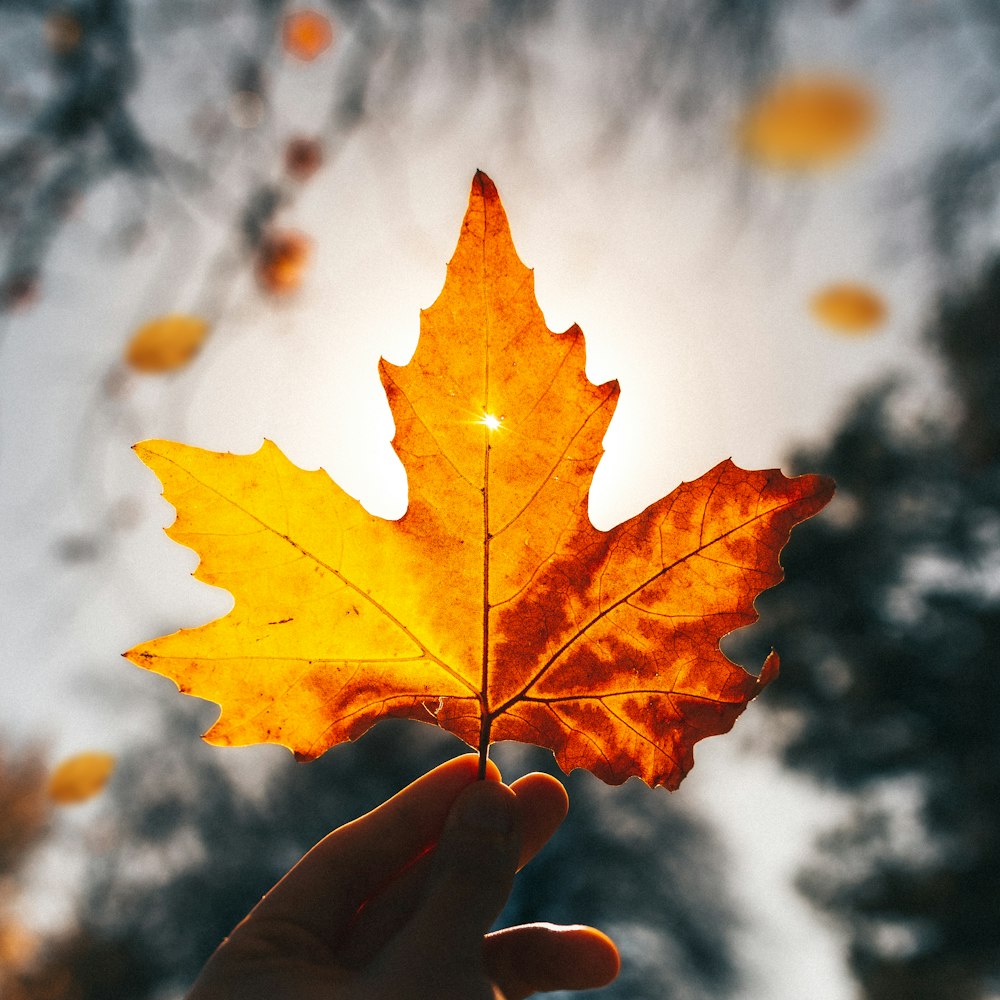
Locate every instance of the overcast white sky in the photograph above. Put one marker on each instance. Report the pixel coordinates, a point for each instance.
(688, 271)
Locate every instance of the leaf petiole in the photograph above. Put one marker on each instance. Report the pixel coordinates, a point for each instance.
(484, 744)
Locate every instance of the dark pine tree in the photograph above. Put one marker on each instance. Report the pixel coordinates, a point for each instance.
(889, 628)
(190, 849)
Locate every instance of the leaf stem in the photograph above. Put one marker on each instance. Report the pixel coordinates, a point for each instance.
(484, 743)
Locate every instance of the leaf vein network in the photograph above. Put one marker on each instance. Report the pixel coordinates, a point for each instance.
(605, 611)
(340, 576)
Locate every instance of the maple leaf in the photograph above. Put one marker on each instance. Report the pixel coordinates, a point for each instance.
(493, 607)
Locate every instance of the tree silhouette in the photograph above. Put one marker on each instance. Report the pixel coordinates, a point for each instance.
(65, 138)
(193, 849)
(889, 628)
(24, 824)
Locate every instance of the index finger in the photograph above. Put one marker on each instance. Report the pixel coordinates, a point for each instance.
(324, 891)
(540, 806)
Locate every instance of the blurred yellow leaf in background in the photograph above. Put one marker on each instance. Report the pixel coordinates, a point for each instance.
(807, 122)
(849, 308)
(80, 777)
(165, 343)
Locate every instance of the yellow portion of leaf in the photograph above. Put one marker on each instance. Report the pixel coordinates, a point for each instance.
(325, 593)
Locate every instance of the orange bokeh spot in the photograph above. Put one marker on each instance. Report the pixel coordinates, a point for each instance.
(807, 122)
(281, 260)
(81, 777)
(303, 157)
(19, 291)
(63, 32)
(307, 34)
(849, 308)
(166, 343)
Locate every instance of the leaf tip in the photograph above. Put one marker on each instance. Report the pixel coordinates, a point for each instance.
(149, 449)
(483, 185)
(135, 654)
(818, 491)
(769, 671)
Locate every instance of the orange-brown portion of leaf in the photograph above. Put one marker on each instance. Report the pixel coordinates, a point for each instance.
(492, 607)
(80, 777)
(623, 626)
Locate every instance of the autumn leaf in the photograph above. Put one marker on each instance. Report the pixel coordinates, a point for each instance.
(303, 157)
(306, 34)
(165, 343)
(849, 308)
(80, 777)
(493, 607)
(803, 123)
(282, 258)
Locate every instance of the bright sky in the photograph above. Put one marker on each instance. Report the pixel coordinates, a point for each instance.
(688, 271)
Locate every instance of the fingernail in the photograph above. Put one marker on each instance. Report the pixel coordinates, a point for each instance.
(485, 806)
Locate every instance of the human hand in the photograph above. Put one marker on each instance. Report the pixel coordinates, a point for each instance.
(397, 905)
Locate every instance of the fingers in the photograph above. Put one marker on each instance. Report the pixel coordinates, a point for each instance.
(540, 804)
(323, 892)
(439, 952)
(471, 874)
(535, 958)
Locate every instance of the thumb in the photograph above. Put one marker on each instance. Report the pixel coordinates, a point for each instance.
(472, 871)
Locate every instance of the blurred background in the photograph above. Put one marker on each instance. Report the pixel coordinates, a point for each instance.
(776, 222)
